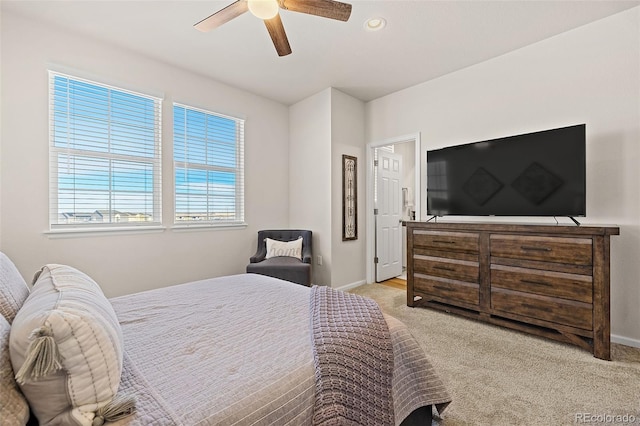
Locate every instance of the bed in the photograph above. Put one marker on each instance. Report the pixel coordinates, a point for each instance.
(235, 350)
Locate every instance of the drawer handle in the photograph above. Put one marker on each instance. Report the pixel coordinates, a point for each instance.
(536, 282)
(529, 248)
(444, 241)
(444, 268)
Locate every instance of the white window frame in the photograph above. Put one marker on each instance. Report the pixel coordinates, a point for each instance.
(144, 221)
(208, 218)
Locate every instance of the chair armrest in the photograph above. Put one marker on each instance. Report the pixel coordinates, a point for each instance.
(307, 256)
(259, 256)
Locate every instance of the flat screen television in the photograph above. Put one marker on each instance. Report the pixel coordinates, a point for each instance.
(534, 174)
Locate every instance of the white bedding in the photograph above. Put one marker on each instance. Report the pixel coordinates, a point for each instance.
(237, 350)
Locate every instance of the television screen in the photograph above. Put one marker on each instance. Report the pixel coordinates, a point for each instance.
(534, 174)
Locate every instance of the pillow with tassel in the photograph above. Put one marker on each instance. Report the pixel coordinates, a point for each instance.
(66, 349)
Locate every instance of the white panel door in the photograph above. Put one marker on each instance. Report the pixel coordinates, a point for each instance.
(388, 219)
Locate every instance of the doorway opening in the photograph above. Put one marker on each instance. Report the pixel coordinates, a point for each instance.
(393, 196)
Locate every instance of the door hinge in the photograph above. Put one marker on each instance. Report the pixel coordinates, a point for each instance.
(375, 163)
(375, 212)
(375, 259)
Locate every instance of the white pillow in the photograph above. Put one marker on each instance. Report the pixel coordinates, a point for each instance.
(70, 329)
(277, 248)
(13, 289)
(13, 407)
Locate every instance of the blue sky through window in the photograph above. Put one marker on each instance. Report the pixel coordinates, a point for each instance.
(206, 165)
(106, 157)
(105, 146)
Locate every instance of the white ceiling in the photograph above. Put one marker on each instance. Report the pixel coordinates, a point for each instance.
(423, 39)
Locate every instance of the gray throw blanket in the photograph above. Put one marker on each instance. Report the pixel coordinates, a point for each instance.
(353, 356)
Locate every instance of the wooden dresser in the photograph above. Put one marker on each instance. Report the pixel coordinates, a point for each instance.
(548, 280)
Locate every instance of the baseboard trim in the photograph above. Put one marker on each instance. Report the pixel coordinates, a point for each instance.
(352, 285)
(625, 341)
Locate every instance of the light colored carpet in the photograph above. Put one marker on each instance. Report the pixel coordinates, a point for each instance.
(502, 377)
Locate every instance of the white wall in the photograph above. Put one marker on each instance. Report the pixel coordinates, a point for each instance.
(323, 127)
(127, 263)
(347, 137)
(310, 176)
(589, 75)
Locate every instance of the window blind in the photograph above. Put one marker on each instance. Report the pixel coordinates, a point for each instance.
(105, 155)
(208, 150)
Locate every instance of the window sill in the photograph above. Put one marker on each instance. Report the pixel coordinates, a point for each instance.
(93, 232)
(180, 227)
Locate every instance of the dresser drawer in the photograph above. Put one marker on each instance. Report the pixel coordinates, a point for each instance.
(458, 255)
(461, 270)
(451, 291)
(441, 240)
(550, 309)
(545, 283)
(576, 251)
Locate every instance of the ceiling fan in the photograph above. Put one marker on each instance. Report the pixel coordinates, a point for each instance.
(267, 10)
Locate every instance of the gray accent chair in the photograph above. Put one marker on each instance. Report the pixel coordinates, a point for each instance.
(283, 267)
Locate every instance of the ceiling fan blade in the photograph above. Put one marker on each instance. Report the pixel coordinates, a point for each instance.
(278, 35)
(326, 8)
(222, 16)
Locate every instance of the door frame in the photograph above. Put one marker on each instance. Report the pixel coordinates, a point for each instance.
(370, 220)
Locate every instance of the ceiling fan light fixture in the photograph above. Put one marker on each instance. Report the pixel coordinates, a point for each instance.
(263, 9)
(375, 24)
(267, 10)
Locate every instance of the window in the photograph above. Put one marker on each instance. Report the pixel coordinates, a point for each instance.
(208, 150)
(104, 154)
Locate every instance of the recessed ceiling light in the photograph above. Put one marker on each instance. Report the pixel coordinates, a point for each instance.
(375, 24)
